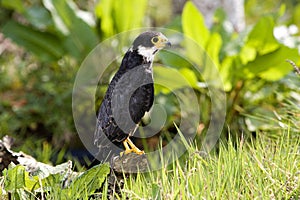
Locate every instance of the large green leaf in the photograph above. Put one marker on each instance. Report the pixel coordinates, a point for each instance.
(213, 48)
(31, 182)
(226, 72)
(196, 34)
(212, 62)
(14, 178)
(80, 36)
(174, 59)
(17, 5)
(261, 37)
(272, 66)
(247, 54)
(45, 45)
(129, 14)
(172, 79)
(81, 40)
(193, 24)
(88, 182)
(103, 11)
(120, 15)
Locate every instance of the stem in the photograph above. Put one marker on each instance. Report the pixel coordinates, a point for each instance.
(235, 94)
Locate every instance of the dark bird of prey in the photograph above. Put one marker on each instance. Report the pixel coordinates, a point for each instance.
(130, 94)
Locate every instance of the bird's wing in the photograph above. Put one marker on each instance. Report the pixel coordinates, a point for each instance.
(141, 101)
(132, 96)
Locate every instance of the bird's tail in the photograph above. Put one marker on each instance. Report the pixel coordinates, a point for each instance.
(106, 149)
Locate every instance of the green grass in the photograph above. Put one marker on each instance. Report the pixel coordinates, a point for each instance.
(261, 169)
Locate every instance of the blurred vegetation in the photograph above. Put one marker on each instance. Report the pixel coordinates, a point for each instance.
(43, 43)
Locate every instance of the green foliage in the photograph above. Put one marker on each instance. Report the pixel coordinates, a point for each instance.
(120, 15)
(261, 37)
(80, 37)
(52, 36)
(45, 45)
(23, 185)
(38, 106)
(15, 179)
(89, 181)
(59, 36)
(199, 33)
(275, 68)
(172, 79)
(259, 54)
(254, 54)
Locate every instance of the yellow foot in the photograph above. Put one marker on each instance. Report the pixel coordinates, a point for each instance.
(127, 144)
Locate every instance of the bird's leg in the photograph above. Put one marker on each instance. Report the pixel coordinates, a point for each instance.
(133, 148)
(127, 148)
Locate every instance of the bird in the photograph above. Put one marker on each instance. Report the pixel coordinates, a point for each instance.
(130, 94)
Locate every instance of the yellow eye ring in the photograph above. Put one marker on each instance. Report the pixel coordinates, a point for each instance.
(154, 40)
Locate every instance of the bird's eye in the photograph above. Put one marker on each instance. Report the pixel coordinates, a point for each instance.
(154, 40)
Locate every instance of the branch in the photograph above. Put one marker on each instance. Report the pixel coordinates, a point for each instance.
(296, 68)
(130, 163)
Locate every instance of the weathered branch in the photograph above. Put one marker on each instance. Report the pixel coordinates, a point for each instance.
(130, 163)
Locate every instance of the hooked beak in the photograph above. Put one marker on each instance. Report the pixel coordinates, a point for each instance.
(163, 42)
(168, 44)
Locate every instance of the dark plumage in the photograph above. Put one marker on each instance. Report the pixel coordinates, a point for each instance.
(130, 94)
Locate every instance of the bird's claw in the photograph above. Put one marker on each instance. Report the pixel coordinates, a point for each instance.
(128, 151)
(130, 148)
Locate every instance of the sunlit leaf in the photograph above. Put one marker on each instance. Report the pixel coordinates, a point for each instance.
(16, 5)
(190, 76)
(277, 72)
(281, 10)
(272, 66)
(129, 14)
(173, 59)
(296, 15)
(226, 72)
(261, 36)
(116, 16)
(196, 33)
(31, 182)
(193, 24)
(14, 178)
(212, 56)
(89, 181)
(213, 48)
(103, 11)
(247, 54)
(172, 79)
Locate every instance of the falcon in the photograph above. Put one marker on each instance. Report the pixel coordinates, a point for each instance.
(130, 94)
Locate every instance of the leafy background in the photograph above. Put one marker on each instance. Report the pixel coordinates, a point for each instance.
(43, 43)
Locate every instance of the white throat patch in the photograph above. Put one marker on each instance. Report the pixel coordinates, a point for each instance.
(147, 52)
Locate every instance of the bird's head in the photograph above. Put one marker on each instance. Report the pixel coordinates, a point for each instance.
(149, 43)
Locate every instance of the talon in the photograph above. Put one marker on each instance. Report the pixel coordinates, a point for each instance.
(127, 144)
